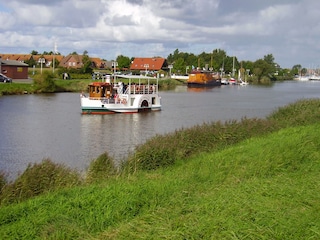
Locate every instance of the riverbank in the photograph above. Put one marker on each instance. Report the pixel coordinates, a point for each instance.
(260, 182)
(29, 86)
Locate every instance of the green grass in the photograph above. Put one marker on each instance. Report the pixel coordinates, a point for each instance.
(261, 188)
(16, 88)
(164, 150)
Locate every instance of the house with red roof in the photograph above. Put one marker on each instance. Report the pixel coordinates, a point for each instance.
(72, 61)
(76, 61)
(14, 69)
(149, 64)
(48, 59)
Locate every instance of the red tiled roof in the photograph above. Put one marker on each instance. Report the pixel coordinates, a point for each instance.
(150, 64)
(74, 61)
(16, 57)
(48, 57)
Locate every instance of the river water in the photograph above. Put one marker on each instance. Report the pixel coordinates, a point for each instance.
(34, 127)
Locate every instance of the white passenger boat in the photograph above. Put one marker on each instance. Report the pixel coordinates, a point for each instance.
(107, 97)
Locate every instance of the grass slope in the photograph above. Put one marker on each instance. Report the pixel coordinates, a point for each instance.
(262, 188)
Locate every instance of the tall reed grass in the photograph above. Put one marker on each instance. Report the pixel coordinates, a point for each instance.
(39, 178)
(101, 169)
(164, 150)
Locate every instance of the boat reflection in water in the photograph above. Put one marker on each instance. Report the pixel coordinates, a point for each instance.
(201, 89)
(116, 134)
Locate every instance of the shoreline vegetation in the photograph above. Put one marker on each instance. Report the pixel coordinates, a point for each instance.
(49, 83)
(246, 179)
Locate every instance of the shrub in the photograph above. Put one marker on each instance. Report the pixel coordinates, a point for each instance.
(45, 82)
(39, 178)
(101, 168)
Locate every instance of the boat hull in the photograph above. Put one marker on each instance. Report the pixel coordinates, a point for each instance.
(134, 104)
(205, 84)
(103, 111)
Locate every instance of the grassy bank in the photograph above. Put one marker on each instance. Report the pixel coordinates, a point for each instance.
(249, 179)
(39, 85)
(30, 87)
(262, 188)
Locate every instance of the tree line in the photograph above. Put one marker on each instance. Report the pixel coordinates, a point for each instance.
(182, 63)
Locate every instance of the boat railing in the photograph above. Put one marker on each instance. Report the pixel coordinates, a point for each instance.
(110, 99)
(113, 100)
(141, 89)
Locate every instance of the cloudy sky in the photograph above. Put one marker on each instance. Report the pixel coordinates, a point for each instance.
(248, 29)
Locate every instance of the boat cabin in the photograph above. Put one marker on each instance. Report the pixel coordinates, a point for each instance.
(200, 76)
(101, 90)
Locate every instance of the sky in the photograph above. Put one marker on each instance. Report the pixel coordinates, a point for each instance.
(247, 29)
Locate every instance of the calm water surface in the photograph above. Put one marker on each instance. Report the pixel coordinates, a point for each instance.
(34, 127)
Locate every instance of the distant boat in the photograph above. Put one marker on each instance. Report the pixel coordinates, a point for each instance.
(232, 81)
(243, 83)
(203, 78)
(224, 81)
(303, 78)
(314, 77)
(106, 97)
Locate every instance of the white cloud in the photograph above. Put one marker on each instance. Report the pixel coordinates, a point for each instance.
(288, 29)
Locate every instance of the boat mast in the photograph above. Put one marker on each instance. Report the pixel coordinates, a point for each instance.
(222, 69)
(233, 70)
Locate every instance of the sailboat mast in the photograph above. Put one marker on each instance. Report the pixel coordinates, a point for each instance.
(233, 70)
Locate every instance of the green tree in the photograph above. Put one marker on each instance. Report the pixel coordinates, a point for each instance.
(296, 69)
(123, 62)
(248, 66)
(230, 63)
(87, 64)
(218, 58)
(31, 62)
(269, 59)
(262, 69)
(45, 83)
(179, 66)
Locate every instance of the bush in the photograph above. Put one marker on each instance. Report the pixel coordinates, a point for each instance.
(45, 82)
(101, 168)
(39, 178)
